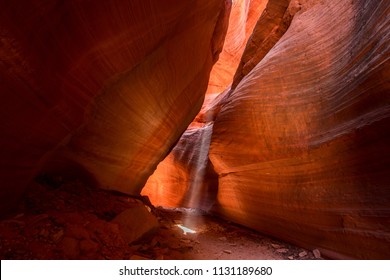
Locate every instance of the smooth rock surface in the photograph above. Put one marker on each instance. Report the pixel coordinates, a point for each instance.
(271, 26)
(243, 17)
(136, 223)
(301, 145)
(185, 177)
(100, 91)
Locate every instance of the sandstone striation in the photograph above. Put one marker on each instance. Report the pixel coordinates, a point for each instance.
(100, 91)
(185, 177)
(271, 26)
(301, 145)
(243, 17)
(178, 177)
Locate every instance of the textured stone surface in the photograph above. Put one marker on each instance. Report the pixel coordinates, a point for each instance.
(136, 223)
(301, 145)
(271, 26)
(185, 177)
(103, 90)
(243, 17)
(182, 178)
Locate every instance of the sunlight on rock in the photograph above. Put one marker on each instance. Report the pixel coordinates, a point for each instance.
(186, 229)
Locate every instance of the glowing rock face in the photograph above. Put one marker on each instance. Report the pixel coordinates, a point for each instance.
(243, 17)
(177, 179)
(93, 90)
(301, 146)
(185, 178)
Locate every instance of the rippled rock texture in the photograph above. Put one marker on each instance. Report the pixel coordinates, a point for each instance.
(100, 90)
(243, 17)
(301, 146)
(183, 178)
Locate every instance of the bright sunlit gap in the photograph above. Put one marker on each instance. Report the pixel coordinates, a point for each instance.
(198, 173)
(186, 229)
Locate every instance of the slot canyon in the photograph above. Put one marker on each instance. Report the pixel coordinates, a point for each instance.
(125, 124)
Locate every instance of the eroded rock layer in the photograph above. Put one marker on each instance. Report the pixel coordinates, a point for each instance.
(185, 178)
(243, 17)
(100, 90)
(178, 180)
(301, 145)
(271, 26)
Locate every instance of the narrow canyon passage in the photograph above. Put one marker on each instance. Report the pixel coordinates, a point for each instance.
(265, 122)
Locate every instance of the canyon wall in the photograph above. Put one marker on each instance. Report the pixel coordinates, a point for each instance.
(177, 180)
(301, 146)
(100, 90)
(185, 177)
(300, 142)
(243, 17)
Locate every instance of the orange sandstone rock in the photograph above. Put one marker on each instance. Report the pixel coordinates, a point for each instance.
(243, 17)
(173, 182)
(301, 145)
(101, 91)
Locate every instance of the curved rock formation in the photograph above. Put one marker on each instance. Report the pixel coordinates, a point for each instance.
(271, 26)
(185, 177)
(100, 90)
(301, 145)
(243, 17)
(173, 182)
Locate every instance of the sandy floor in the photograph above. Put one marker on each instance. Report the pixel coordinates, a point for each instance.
(68, 220)
(214, 239)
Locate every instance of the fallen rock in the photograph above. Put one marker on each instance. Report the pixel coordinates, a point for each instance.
(136, 224)
(76, 231)
(87, 246)
(275, 246)
(302, 254)
(37, 219)
(223, 238)
(282, 250)
(57, 236)
(70, 247)
(227, 251)
(154, 242)
(317, 253)
(44, 233)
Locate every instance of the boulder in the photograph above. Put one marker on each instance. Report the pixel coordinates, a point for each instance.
(136, 224)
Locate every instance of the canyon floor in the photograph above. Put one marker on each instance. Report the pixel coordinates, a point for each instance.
(69, 220)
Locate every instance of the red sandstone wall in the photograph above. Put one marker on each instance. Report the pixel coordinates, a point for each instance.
(243, 17)
(100, 89)
(301, 146)
(172, 184)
